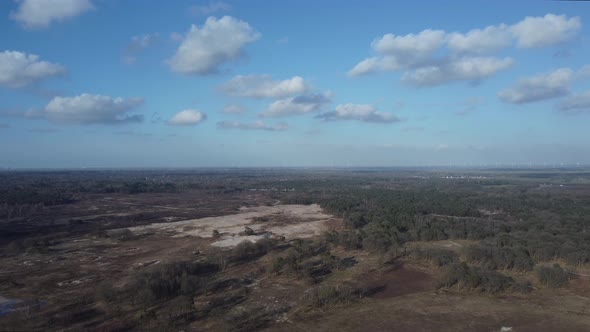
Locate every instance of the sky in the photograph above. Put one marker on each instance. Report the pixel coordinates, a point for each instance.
(138, 83)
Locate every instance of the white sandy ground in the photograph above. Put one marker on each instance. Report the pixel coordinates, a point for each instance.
(303, 221)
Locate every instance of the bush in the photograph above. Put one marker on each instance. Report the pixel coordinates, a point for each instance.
(165, 281)
(250, 319)
(470, 278)
(334, 295)
(351, 240)
(122, 234)
(106, 292)
(553, 276)
(439, 257)
(15, 247)
(511, 258)
(356, 220)
(522, 286)
(247, 250)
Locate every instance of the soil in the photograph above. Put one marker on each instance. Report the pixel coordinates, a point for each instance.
(290, 221)
(400, 280)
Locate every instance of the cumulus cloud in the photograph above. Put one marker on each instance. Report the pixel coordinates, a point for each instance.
(90, 109)
(462, 69)
(415, 54)
(358, 112)
(204, 49)
(263, 86)
(258, 125)
(137, 45)
(434, 57)
(575, 103)
(399, 52)
(366, 66)
(479, 41)
(233, 109)
(19, 69)
(545, 31)
(539, 87)
(411, 46)
(210, 8)
(187, 118)
(42, 13)
(302, 104)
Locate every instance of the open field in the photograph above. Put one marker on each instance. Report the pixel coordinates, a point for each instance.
(294, 250)
(289, 221)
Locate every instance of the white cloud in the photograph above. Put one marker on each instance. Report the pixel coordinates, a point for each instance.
(539, 87)
(187, 118)
(302, 104)
(137, 45)
(19, 69)
(478, 41)
(434, 57)
(233, 109)
(258, 125)
(461, 69)
(410, 46)
(400, 52)
(42, 13)
(204, 49)
(366, 66)
(90, 109)
(545, 31)
(263, 86)
(210, 8)
(575, 103)
(358, 112)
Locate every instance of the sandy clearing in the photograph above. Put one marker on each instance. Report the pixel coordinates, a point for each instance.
(294, 221)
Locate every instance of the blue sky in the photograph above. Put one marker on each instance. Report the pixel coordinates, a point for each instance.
(112, 83)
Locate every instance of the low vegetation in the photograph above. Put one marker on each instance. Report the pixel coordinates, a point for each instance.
(497, 235)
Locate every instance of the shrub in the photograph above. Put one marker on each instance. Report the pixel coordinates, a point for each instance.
(106, 292)
(247, 250)
(250, 319)
(552, 276)
(122, 234)
(333, 295)
(165, 281)
(475, 278)
(439, 257)
(522, 286)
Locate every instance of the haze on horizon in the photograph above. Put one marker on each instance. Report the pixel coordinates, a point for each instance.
(108, 83)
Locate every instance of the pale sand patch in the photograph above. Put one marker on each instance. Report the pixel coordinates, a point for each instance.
(301, 221)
